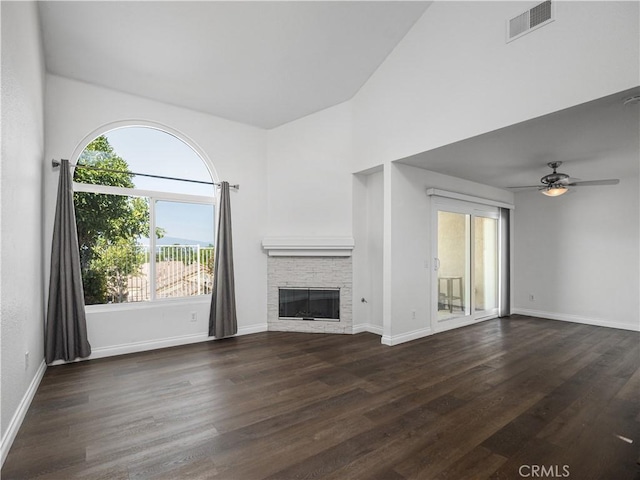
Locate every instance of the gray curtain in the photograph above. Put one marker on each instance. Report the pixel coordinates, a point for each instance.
(504, 309)
(66, 332)
(222, 317)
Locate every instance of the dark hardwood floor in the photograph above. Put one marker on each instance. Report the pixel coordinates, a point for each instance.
(503, 399)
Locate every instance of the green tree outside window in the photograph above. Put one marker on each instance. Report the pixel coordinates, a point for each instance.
(109, 226)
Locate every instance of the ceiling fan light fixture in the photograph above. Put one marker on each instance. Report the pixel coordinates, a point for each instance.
(556, 184)
(554, 190)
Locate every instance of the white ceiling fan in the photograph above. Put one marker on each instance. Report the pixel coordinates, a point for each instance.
(555, 183)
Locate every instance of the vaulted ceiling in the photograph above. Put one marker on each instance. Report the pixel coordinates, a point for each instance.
(259, 63)
(267, 63)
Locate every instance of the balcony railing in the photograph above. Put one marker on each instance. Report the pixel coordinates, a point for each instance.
(180, 271)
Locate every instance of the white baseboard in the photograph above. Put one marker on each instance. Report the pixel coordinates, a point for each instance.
(135, 347)
(21, 411)
(113, 350)
(367, 327)
(406, 337)
(565, 317)
(452, 324)
(255, 328)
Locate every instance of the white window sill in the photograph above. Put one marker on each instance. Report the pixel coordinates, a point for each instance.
(159, 303)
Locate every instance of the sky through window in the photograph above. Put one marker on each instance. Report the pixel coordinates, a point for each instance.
(152, 151)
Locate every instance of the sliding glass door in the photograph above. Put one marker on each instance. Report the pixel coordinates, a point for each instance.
(453, 264)
(466, 252)
(485, 264)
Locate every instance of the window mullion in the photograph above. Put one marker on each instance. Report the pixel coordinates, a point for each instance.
(472, 265)
(152, 248)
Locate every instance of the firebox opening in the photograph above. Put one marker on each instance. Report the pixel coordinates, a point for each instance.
(309, 304)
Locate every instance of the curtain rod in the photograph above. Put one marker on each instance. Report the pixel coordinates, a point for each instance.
(56, 163)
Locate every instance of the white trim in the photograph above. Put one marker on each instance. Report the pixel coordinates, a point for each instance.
(565, 317)
(308, 246)
(406, 337)
(153, 257)
(21, 411)
(435, 192)
(459, 322)
(149, 304)
(370, 170)
(136, 192)
(111, 351)
(255, 328)
(108, 127)
(135, 347)
(367, 327)
(304, 252)
(308, 252)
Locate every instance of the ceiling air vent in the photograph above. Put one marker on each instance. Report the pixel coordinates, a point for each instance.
(528, 21)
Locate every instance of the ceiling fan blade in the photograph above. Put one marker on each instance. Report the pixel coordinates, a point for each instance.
(568, 181)
(612, 181)
(527, 186)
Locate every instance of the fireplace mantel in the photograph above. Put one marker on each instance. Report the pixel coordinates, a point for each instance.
(308, 246)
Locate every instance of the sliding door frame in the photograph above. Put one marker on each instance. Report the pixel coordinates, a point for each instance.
(473, 210)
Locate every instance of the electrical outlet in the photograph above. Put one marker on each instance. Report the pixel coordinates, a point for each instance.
(532, 298)
(413, 314)
(26, 360)
(194, 316)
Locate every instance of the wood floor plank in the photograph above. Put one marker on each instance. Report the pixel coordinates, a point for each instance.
(473, 403)
(478, 463)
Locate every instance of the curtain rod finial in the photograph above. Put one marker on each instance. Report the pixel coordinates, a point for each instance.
(55, 163)
(236, 186)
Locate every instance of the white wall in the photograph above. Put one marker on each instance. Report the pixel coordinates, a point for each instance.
(375, 235)
(309, 175)
(21, 289)
(73, 111)
(578, 255)
(411, 245)
(368, 229)
(453, 76)
(360, 254)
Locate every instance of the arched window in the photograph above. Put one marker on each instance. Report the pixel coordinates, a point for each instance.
(143, 238)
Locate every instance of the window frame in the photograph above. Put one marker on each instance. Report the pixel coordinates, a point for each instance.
(153, 196)
(181, 136)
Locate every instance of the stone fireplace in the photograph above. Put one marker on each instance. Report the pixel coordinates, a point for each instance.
(316, 265)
